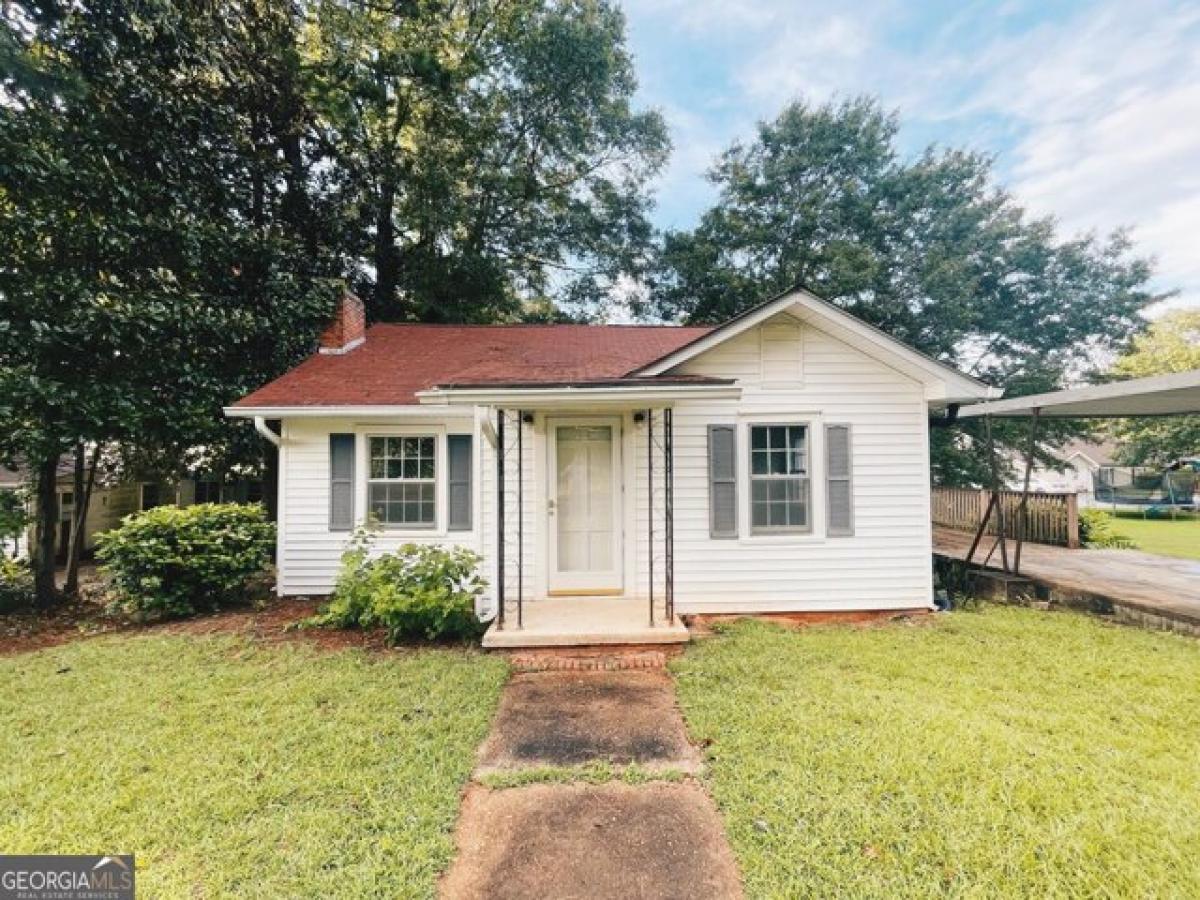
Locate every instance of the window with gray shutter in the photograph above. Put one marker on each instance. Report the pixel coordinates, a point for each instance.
(459, 481)
(722, 481)
(341, 482)
(838, 485)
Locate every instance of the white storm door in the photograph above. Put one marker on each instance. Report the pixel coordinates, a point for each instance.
(584, 508)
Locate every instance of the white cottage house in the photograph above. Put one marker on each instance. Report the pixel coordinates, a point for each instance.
(618, 477)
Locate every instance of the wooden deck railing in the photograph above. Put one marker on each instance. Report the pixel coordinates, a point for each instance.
(1050, 518)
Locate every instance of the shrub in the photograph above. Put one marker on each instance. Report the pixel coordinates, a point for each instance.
(420, 591)
(16, 585)
(176, 562)
(1098, 530)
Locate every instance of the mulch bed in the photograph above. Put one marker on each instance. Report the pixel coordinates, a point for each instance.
(24, 632)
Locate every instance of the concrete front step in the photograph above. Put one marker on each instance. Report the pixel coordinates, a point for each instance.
(584, 622)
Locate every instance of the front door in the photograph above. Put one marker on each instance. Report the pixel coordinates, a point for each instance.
(584, 507)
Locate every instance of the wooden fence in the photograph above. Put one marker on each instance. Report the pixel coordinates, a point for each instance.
(1050, 518)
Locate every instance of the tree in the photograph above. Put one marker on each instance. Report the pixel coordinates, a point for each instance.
(151, 262)
(927, 249)
(1172, 344)
(484, 153)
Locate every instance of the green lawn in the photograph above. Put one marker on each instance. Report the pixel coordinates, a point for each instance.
(1169, 537)
(234, 768)
(1005, 753)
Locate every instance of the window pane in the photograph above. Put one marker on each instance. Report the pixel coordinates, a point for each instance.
(797, 444)
(393, 446)
(779, 462)
(426, 467)
(410, 446)
(758, 438)
(378, 448)
(394, 468)
(427, 446)
(410, 468)
(759, 462)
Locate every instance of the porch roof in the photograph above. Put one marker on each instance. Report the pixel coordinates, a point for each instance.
(612, 392)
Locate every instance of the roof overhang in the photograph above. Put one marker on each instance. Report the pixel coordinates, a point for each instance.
(579, 396)
(1158, 395)
(359, 412)
(943, 384)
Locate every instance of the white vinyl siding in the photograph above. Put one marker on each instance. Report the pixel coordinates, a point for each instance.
(883, 564)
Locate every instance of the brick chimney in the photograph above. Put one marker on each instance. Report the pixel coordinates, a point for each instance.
(348, 328)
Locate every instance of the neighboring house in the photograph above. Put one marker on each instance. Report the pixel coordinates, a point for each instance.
(111, 503)
(799, 477)
(11, 481)
(1081, 460)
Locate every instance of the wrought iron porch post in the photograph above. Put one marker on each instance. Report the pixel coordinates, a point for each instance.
(499, 519)
(650, 506)
(520, 520)
(669, 452)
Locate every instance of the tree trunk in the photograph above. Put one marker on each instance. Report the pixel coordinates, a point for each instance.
(45, 532)
(85, 481)
(386, 266)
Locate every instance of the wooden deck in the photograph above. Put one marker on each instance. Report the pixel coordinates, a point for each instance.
(1156, 586)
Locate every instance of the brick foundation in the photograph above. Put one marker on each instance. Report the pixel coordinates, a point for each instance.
(699, 623)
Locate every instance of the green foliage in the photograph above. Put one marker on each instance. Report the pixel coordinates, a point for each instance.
(1005, 753)
(16, 585)
(1098, 530)
(487, 157)
(169, 561)
(245, 769)
(927, 249)
(420, 591)
(1172, 344)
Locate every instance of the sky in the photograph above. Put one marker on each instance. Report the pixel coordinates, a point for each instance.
(1091, 110)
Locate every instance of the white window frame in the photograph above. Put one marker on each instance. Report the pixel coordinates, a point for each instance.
(814, 423)
(440, 484)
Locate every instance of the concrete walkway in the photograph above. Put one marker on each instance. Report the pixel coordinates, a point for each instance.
(1162, 587)
(656, 839)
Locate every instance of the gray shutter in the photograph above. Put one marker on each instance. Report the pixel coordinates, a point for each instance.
(459, 481)
(341, 482)
(722, 481)
(838, 487)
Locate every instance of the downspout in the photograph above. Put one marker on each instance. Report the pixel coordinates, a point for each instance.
(260, 425)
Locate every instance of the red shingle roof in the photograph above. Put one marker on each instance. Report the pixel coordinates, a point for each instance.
(396, 361)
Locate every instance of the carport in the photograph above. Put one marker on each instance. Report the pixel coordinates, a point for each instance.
(1159, 395)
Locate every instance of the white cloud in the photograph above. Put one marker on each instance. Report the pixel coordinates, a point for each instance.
(1094, 116)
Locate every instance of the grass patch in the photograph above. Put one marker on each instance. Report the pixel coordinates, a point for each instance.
(234, 768)
(1168, 537)
(1005, 752)
(589, 773)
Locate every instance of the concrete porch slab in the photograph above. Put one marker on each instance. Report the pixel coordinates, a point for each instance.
(584, 622)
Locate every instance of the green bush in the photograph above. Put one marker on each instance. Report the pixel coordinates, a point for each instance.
(16, 585)
(176, 562)
(1098, 530)
(420, 591)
